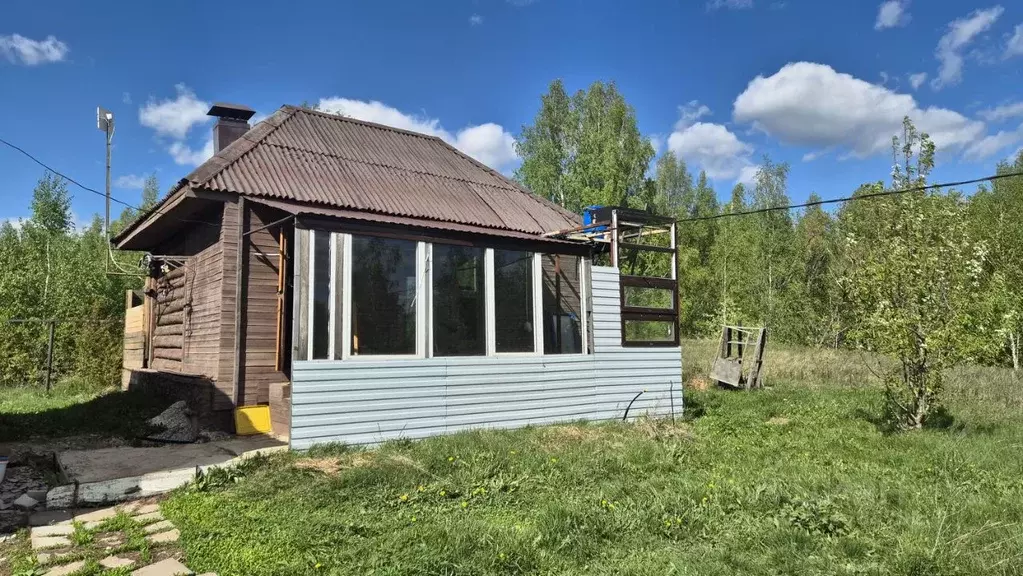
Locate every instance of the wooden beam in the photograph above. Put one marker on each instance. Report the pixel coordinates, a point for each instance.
(239, 308)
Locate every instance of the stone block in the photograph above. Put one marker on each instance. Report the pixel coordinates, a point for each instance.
(65, 569)
(57, 530)
(111, 562)
(168, 567)
(160, 526)
(96, 515)
(44, 542)
(25, 502)
(167, 537)
(149, 517)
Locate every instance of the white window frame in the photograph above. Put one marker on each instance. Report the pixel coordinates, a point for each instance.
(537, 309)
(311, 279)
(421, 307)
(423, 302)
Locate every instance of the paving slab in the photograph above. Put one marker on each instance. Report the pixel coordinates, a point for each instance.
(65, 569)
(160, 526)
(168, 567)
(44, 542)
(149, 517)
(49, 517)
(25, 502)
(147, 509)
(58, 530)
(96, 515)
(111, 562)
(51, 557)
(164, 537)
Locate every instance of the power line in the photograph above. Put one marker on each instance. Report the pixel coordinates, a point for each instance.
(859, 197)
(97, 192)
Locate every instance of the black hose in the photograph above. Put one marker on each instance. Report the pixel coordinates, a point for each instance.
(626, 417)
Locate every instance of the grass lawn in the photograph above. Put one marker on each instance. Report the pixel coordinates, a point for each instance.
(798, 478)
(72, 408)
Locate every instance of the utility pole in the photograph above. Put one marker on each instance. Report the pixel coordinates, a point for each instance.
(105, 123)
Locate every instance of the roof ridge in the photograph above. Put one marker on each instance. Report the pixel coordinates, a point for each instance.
(341, 117)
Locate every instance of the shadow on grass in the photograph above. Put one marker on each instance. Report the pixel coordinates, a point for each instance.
(941, 419)
(119, 413)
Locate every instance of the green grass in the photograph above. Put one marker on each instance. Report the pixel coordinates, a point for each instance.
(73, 407)
(798, 478)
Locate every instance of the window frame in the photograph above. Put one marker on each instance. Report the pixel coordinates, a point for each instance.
(341, 256)
(646, 314)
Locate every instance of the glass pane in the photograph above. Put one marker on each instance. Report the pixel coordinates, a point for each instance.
(649, 297)
(513, 300)
(562, 333)
(459, 301)
(383, 296)
(649, 331)
(321, 295)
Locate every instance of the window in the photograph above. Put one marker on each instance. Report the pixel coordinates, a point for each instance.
(562, 330)
(383, 302)
(459, 301)
(322, 265)
(513, 301)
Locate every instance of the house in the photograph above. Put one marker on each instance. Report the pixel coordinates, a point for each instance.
(370, 283)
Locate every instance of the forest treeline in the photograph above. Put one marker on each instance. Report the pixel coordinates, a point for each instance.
(803, 273)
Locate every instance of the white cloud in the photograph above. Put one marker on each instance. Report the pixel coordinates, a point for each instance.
(130, 181)
(917, 80)
(748, 175)
(489, 143)
(656, 142)
(15, 221)
(20, 50)
(809, 104)
(892, 13)
(126, 98)
(993, 144)
(713, 147)
(1014, 47)
(961, 33)
(174, 117)
(185, 155)
(690, 113)
(1003, 112)
(475, 20)
(730, 4)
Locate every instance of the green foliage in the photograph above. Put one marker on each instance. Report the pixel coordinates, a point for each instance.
(796, 479)
(585, 149)
(915, 284)
(51, 270)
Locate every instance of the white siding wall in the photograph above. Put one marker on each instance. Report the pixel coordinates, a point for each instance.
(361, 402)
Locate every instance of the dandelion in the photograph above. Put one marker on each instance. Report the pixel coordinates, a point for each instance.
(451, 458)
(443, 493)
(403, 497)
(465, 504)
(421, 488)
(500, 556)
(554, 460)
(414, 518)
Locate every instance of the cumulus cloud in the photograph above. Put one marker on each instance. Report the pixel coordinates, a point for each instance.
(1014, 47)
(21, 50)
(712, 147)
(917, 80)
(809, 104)
(729, 4)
(993, 144)
(1003, 112)
(185, 155)
(489, 143)
(475, 20)
(690, 113)
(174, 117)
(892, 13)
(130, 182)
(960, 34)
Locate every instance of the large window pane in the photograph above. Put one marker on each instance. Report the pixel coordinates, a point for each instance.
(321, 295)
(562, 333)
(459, 301)
(383, 296)
(649, 330)
(513, 300)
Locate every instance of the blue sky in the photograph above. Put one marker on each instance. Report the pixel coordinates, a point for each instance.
(821, 85)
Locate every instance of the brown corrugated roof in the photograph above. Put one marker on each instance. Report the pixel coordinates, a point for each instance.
(323, 159)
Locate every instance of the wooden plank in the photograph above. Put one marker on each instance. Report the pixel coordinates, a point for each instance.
(239, 299)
